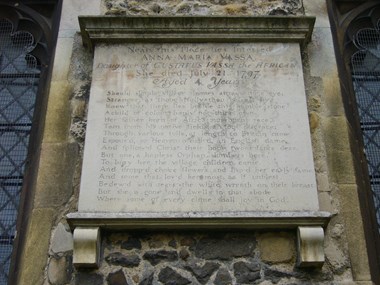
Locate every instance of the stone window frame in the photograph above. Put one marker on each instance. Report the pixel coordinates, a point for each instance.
(342, 14)
(44, 19)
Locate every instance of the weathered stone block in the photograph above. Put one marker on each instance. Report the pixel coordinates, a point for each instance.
(341, 166)
(58, 120)
(117, 258)
(336, 257)
(62, 240)
(225, 248)
(88, 278)
(275, 275)
(172, 243)
(203, 273)
(187, 241)
(317, 8)
(56, 169)
(321, 46)
(156, 243)
(339, 157)
(131, 243)
(223, 277)
(276, 247)
(332, 96)
(60, 270)
(36, 247)
(155, 257)
(184, 254)
(169, 276)
(63, 52)
(78, 130)
(336, 131)
(79, 108)
(71, 9)
(354, 232)
(313, 121)
(247, 273)
(325, 202)
(323, 182)
(189, 7)
(148, 280)
(117, 278)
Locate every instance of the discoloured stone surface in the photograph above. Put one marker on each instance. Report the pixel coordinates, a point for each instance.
(223, 277)
(354, 231)
(317, 8)
(333, 105)
(224, 248)
(131, 243)
(321, 47)
(276, 275)
(117, 278)
(247, 273)
(168, 276)
(155, 257)
(62, 240)
(276, 247)
(54, 183)
(203, 273)
(58, 114)
(37, 246)
(207, 7)
(117, 258)
(147, 280)
(88, 278)
(63, 54)
(60, 270)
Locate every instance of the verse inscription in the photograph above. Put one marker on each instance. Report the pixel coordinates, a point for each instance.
(197, 128)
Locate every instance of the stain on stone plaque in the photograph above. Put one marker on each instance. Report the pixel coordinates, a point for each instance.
(198, 128)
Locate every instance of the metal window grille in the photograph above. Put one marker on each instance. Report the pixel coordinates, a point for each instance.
(19, 75)
(366, 80)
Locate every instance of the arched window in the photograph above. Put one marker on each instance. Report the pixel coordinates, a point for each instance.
(365, 69)
(25, 45)
(356, 31)
(19, 74)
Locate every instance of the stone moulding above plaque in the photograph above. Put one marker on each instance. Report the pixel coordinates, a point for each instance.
(122, 29)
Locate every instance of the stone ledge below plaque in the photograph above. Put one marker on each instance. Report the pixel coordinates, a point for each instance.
(180, 221)
(309, 226)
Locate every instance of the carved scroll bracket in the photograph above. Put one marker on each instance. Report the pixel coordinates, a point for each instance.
(86, 246)
(310, 246)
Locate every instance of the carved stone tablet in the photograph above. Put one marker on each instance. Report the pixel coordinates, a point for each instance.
(205, 127)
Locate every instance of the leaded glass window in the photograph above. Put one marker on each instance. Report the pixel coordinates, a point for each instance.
(19, 76)
(365, 64)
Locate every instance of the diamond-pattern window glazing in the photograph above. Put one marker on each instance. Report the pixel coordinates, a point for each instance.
(366, 79)
(19, 75)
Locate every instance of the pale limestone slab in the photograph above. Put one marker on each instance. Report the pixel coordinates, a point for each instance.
(178, 128)
(71, 9)
(62, 240)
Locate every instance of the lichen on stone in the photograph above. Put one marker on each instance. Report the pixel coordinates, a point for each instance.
(78, 130)
(206, 7)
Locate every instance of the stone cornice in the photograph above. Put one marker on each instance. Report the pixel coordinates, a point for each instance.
(150, 29)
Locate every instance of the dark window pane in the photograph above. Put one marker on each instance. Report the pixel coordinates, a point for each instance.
(19, 75)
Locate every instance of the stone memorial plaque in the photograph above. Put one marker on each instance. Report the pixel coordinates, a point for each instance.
(198, 128)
